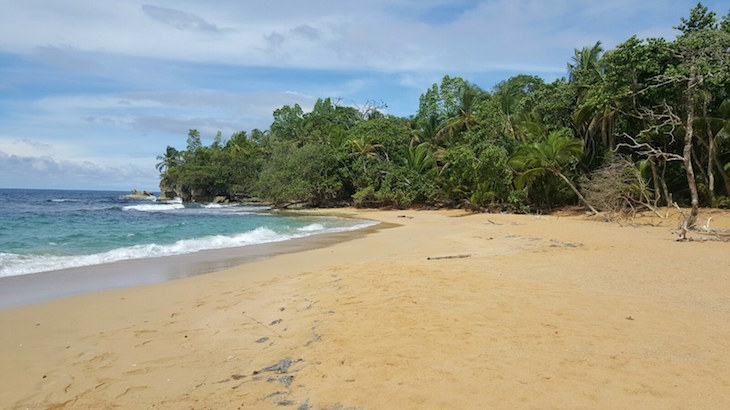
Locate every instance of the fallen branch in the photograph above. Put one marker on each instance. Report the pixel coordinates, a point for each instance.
(431, 258)
(682, 225)
(721, 235)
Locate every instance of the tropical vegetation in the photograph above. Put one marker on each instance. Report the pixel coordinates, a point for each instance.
(658, 108)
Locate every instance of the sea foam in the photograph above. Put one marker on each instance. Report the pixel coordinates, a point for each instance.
(14, 264)
(153, 207)
(311, 228)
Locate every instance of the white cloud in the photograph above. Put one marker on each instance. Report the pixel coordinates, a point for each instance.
(178, 19)
(25, 146)
(50, 172)
(386, 36)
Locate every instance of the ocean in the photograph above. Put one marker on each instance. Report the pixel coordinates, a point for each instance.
(50, 230)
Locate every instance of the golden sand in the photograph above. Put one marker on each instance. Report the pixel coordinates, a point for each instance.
(446, 310)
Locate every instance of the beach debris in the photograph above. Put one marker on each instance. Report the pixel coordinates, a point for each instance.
(286, 380)
(558, 244)
(262, 340)
(286, 403)
(708, 234)
(466, 255)
(629, 317)
(276, 393)
(311, 303)
(316, 337)
(340, 406)
(281, 367)
(275, 322)
(404, 216)
(237, 376)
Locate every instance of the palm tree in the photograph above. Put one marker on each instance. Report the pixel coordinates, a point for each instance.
(586, 68)
(595, 115)
(420, 159)
(529, 126)
(365, 150)
(551, 156)
(507, 95)
(463, 119)
(597, 109)
(169, 160)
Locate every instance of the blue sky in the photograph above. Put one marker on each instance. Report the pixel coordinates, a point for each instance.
(92, 92)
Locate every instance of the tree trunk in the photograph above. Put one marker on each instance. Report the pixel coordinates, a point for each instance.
(710, 175)
(723, 174)
(665, 188)
(697, 165)
(612, 131)
(655, 178)
(711, 152)
(570, 184)
(687, 152)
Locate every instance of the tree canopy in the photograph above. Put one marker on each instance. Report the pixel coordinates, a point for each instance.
(661, 106)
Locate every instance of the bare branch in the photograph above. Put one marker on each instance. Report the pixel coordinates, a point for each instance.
(646, 150)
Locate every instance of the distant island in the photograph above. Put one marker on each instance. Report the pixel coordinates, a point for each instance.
(641, 126)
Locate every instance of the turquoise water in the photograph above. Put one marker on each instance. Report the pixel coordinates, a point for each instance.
(44, 230)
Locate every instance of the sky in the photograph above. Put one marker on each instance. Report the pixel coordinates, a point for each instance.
(91, 92)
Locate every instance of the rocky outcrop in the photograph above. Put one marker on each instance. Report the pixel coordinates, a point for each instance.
(168, 192)
(138, 195)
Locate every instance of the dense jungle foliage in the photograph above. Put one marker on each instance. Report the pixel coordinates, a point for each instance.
(641, 125)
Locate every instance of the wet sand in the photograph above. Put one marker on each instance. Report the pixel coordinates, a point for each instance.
(33, 288)
(446, 310)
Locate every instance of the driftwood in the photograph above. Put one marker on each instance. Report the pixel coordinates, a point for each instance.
(707, 233)
(431, 258)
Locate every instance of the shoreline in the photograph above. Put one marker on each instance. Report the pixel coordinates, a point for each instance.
(447, 310)
(27, 289)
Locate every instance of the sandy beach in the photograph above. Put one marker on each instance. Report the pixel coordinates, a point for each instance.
(442, 309)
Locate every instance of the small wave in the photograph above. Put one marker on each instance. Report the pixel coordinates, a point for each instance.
(153, 207)
(58, 200)
(311, 228)
(13, 264)
(213, 206)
